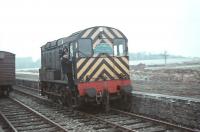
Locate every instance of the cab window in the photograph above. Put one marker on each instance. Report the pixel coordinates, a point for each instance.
(119, 47)
(71, 50)
(84, 47)
(115, 50)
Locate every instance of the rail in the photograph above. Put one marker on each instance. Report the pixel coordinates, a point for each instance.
(14, 109)
(161, 125)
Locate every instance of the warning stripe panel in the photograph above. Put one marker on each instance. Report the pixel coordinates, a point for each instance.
(117, 33)
(106, 76)
(90, 68)
(122, 65)
(85, 66)
(87, 32)
(112, 59)
(108, 33)
(97, 34)
(109, 67)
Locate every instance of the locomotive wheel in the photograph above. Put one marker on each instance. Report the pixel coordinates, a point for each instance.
(6, 92)
(80, 102)
(106, 101)
(63, 98)
(68, 98)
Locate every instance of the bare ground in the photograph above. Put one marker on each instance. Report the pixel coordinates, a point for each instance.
(173, 80)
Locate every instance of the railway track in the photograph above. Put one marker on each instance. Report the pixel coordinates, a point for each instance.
(4, 126)
(129, 122)
(70, 119)
(28, 89)
(19, 117)
(120, 120)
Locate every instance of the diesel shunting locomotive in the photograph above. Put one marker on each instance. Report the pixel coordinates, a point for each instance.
(97, 67)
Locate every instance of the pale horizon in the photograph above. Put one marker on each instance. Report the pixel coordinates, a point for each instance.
(150, 26)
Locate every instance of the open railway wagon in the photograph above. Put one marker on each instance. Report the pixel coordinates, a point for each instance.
(7, 72)
(98, 62)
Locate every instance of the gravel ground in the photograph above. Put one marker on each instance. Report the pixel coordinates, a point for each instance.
(66, 118)
(181, 80)
(75, 122)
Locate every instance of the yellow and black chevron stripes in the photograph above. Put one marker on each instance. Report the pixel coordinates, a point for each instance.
(87, 32)
(84, 68)
(97, 68)
(106, 32)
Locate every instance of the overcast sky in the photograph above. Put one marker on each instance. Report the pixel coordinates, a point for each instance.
(150, 25)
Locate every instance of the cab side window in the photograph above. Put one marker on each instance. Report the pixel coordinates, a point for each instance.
(84, 47)
(71, 50)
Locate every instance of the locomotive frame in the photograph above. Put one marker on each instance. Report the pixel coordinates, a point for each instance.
(99, 62)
